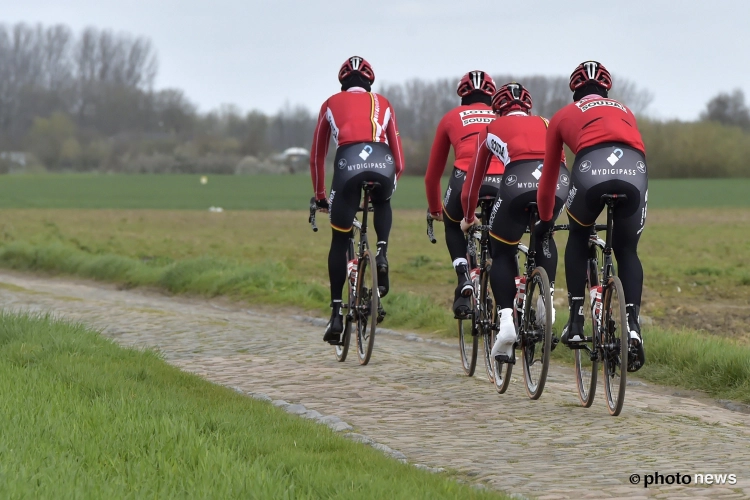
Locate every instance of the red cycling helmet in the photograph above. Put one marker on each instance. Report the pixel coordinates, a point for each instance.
(511, 96)
(475, 80)
(590, 71)
(356, 63)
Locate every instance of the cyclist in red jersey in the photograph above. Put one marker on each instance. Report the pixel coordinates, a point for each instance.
(517, 139)
(363, 125)
(459, 128)
(610, 158)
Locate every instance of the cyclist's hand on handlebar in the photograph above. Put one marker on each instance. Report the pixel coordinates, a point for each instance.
(467, 224)
(438, 216)
(322, 205)
(543, 228)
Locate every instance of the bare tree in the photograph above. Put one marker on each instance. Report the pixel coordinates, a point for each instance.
(729, 109)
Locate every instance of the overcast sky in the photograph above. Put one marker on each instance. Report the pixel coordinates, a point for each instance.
(263, 54)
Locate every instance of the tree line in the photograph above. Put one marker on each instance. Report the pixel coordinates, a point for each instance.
(86, 101)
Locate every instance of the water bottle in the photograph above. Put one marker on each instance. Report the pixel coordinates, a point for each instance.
(520, 292)
(351, 271)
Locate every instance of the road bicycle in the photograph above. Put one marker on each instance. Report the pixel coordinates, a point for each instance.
(609, 343)
(533, 323)
(362, 284)
(479, 320)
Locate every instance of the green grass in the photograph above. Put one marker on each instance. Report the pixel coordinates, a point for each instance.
(84, 418)
(275, 192)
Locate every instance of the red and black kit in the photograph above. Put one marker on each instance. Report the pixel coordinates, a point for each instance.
(353, 116)
(459, 128)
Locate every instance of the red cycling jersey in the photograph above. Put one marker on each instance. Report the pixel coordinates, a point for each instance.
(592, 120)
(513, 137)
(458, 128)
(353, 116)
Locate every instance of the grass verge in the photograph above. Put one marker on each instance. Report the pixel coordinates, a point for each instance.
(716, 365)
(84, 418)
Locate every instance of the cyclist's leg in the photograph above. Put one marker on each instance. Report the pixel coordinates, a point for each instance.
(508, 221)
(628, 226)
(546, 248)
(344, 201)
(456, 242)
(583, 208)
(382, 222)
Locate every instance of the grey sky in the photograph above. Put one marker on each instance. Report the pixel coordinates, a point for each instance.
(261, 54)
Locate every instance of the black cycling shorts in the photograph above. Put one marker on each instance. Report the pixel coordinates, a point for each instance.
(355, 164)
(452, 207)
(509, 217)
(610, 168)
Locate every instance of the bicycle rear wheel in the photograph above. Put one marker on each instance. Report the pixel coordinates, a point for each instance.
(536, 332)
(366, 306)
(586, 362)
(614, 345)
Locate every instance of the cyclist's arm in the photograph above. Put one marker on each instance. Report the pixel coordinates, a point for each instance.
(553, 155)
(394, 141)
(475, 176)
(436, 166)
(321, 137)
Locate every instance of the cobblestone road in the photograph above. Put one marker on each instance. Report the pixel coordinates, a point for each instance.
(414, 398)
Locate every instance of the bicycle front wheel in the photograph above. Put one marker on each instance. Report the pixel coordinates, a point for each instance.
(483, 318)
(536, 332)
(366, 304)
(468, 343)
(614, 345)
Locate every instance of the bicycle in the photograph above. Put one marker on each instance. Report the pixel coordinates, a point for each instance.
(362, 284)
(533, 323)
(478, 258)
(607, 313)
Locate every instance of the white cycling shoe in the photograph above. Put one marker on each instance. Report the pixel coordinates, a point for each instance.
(506, 337)
(541, 311)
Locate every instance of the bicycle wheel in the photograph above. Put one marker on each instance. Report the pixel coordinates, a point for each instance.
(536, 332)
(614, 345)
(483, 318)
(366, 303)
(586, 362)
(468, 343)
(343, 350)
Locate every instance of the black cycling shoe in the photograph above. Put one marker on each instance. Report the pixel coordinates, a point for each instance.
(636, 354)
(381, 263)
(461, 306)
(335, 327)
(573, 334)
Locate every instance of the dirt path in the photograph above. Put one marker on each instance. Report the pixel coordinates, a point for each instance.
(414, 398)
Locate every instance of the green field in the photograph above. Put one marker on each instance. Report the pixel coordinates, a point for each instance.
(696, 259)
(83, 418)
(280, 192)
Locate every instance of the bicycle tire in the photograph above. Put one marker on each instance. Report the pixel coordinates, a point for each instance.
(468, 345)
(587, 363)
(366, 305)
(482, 319)
(615, 345)
(536, 333)
(341, 351)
